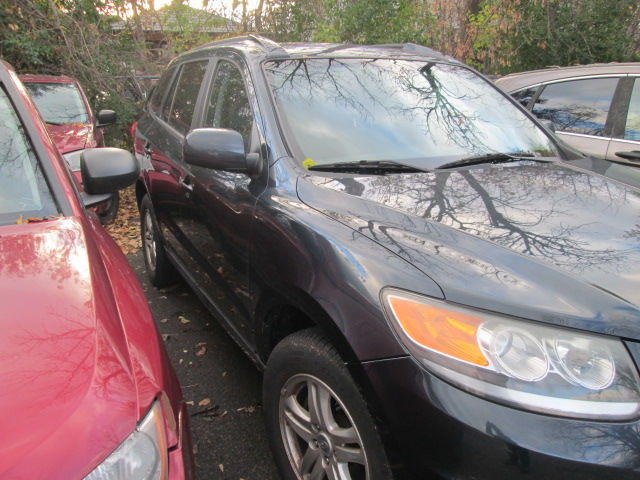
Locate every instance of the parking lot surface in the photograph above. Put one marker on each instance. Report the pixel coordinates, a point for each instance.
(220, 383)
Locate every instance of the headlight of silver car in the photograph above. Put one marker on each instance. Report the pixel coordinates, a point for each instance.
(142, 456)
(517, 362)
(73, 160)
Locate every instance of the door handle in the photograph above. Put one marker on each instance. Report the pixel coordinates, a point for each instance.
(185, 182)
(633, 155)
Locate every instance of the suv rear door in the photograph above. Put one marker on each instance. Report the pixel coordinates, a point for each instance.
(163, 128)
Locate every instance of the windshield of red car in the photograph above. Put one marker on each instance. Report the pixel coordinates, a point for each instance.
(414, 112)
(24, 193)
(59, 103)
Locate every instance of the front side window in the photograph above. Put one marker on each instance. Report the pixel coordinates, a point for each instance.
(632, 127)
(59, 103)
(577, 106)
(419, 113)
(228, 105)
(187, 89)
(24, 191)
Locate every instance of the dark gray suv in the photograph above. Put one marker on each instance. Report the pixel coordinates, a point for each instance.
(430, 281)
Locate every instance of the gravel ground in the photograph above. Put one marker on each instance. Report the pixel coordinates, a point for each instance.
(220, 382)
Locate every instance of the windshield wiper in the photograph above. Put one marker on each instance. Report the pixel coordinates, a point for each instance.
(370, 167)
(489, 158)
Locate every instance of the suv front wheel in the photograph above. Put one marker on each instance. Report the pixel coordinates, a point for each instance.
(159, 269)
(318, 422)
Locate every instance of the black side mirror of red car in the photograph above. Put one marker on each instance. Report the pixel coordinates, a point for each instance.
(105, 117)
(107, 170)
(219, 149)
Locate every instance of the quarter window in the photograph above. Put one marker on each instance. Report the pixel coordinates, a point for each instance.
(228, 105)
(578, 106)
(632, 127)
(186, 95)
(523, 97)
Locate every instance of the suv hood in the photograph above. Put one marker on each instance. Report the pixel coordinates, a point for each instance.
(68, 394)
(544, 241)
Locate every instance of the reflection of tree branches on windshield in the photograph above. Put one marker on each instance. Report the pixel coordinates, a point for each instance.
(434, 99)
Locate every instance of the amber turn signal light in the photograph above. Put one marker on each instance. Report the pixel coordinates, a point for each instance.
(444, 331)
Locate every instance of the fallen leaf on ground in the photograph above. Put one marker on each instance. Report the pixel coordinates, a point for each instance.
(184, 320)
(204, 402)
(202, 350)
(125, 229)
(221, 467)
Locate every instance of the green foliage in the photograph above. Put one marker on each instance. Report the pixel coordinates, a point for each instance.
(529, 34)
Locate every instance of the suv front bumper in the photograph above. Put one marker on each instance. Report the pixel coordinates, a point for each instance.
(439, 429)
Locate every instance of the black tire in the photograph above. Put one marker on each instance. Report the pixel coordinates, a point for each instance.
(309, 353)
(161, 272)
(110, 214)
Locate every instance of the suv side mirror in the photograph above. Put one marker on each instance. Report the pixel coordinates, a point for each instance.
(105, 117)
(219, 149)
(107, 170)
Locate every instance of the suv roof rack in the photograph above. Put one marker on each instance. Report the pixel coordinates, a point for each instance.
(414, 48)
(270, 47)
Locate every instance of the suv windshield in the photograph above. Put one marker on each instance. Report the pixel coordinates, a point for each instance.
(59, 103)
(424, 114)
(24, 192)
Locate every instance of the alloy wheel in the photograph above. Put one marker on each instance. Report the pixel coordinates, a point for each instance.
(149, 240)
(320, 437)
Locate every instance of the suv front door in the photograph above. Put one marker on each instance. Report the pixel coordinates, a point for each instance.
(223, 203)
(579, 110)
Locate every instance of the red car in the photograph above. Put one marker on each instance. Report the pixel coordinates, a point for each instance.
(70, 121)
(87, 388)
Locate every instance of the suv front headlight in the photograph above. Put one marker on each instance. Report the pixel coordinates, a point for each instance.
(517, 362)
(142, 456)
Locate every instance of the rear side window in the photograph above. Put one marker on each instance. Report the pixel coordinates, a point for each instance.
(578, 106)
(186, 94)
(523, 97)
(155, 102)
(24, 191)
(632, 127)
(228, 105)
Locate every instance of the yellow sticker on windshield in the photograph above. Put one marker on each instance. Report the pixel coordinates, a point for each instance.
(308, 163)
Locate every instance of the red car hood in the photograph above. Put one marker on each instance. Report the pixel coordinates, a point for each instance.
(68, 392)
(71, 137)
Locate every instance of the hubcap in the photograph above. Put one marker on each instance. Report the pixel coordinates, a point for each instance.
(149, 241)
(319, 435)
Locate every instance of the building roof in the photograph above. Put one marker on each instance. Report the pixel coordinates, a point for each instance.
(177, 18)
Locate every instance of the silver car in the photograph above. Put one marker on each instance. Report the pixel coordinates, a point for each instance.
(594, 108)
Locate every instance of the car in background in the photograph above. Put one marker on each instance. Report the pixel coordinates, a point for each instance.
(427, 279)
(71, 123)
(87, 388)
(594, 108)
